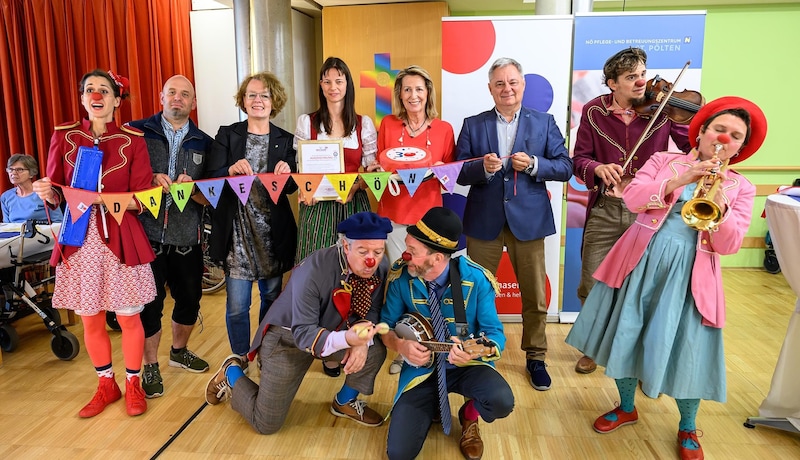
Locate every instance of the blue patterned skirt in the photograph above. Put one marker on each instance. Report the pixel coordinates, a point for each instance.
(650, 329)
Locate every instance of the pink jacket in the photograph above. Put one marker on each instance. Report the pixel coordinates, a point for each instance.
(645, 196)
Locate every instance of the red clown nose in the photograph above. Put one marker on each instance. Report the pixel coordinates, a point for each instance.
(96, 96)
(406, 256)
(369, 262)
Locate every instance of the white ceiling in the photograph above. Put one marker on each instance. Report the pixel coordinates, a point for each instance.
(314, 7)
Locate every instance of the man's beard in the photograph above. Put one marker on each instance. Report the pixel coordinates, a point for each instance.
(420, 271)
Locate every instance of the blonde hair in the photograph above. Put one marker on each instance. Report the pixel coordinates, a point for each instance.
(430, 107)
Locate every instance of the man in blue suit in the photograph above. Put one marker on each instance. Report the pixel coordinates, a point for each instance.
(508, 205)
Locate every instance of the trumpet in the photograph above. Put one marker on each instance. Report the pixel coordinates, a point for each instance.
(702, 212)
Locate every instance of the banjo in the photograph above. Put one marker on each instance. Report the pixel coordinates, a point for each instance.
(414, 326)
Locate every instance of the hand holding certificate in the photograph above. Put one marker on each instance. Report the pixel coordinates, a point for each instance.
(321, 157)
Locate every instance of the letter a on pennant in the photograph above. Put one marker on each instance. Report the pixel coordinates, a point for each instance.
(151, 199)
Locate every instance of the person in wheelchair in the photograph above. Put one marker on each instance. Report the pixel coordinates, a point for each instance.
(20, 204)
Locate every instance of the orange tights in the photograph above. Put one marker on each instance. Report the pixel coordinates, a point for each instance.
(98, 344)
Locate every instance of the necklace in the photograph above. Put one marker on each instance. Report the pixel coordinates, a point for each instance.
(414, 131)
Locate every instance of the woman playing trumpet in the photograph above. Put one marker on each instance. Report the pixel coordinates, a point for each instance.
(655, 315)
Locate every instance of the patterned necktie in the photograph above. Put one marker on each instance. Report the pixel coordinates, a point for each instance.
(442, 335)
(361, 298)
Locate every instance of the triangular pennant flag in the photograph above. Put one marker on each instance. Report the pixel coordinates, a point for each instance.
(211, 189)
(151, 199)
(342, 183)
(241, 186)
(307, 184)
(78, 200)
(376, 182)
(181, 193)
(447, 175)
(412, 178)
(117, 204)
(274, 184)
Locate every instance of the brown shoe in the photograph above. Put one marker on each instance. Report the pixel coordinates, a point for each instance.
(358, 411)
(471, 442)
(218, 389)
(585, 365)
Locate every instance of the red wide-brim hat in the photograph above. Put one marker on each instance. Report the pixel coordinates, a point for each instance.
(758, 123)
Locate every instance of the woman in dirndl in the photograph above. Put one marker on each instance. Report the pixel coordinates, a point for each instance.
(656, 314)
(336, 118)
(110, 271)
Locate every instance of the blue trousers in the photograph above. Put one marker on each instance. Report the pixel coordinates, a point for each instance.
(414, 411)
(237, 311)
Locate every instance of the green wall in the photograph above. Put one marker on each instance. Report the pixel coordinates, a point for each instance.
(751, 51)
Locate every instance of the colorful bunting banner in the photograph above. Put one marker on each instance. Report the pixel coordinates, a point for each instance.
(274, 183)
(412, 178)
(151, 199)
(342, 183)
(78, 200)
(181, 193)
(447, 175)
(307, 184)
(376, 182)
(117, 204)
(211, 189)
(241, 186)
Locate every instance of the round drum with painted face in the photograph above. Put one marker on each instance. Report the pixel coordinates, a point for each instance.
(404, 158)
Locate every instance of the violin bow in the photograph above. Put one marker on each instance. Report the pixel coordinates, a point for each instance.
(653, 118)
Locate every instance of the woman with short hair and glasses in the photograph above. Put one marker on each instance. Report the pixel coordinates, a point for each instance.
(256, 240)
(20, 203)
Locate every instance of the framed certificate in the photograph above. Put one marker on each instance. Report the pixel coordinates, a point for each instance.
(321, 157)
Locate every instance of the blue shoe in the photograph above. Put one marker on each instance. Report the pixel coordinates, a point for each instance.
(540, 379)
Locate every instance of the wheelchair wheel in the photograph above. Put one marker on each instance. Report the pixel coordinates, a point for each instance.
(53, 314)
(771, 264)
(213, 278)
(66, 346)
(111, 321)
(9, 339)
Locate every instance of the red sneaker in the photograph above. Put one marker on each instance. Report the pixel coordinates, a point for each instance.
(614, 419)
(134, 397)
(107, 392)
(689, 438)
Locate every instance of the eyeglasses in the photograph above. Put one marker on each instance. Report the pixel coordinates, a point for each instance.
(254, 96)
(16, 170)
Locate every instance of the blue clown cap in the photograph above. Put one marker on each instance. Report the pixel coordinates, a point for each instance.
(365, 226)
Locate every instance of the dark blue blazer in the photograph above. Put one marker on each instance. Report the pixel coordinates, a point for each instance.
(518, 199)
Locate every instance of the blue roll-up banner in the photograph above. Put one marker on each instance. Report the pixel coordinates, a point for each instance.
(670, 40)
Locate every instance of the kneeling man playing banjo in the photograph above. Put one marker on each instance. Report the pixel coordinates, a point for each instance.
(444, 323)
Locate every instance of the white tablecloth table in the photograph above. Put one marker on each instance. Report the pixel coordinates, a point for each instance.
(781, 408)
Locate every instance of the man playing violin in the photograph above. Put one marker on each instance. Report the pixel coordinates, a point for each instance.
(421, 283)
(608, 131)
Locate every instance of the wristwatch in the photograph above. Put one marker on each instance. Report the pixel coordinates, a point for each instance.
(529, 169)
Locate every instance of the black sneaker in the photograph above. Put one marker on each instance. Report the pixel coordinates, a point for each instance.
(540, 379)
(152, 383)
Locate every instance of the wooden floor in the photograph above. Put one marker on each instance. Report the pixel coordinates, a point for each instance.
(40, 397)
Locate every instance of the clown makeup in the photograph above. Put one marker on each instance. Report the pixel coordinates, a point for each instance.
(98, 99)
(364, 256)
(728, 124)
(629, 87)
(420, 258)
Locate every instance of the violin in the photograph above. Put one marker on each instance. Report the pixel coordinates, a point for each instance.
(680, 107)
